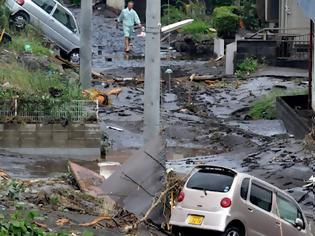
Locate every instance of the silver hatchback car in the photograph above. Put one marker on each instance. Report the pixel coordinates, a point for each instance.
(55, 21)
(229, 203)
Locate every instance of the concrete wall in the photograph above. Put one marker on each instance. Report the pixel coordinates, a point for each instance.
(74, 141)
(260, 49)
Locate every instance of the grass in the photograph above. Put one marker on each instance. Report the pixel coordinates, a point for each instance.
(35, 84)
(265, 107)
(33, 38)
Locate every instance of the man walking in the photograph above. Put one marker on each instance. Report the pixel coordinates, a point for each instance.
(129, 18)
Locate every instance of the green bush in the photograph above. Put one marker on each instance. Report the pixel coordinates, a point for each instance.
(247, 67)
(249, 15)
(199, 30)
(226, 21)
(172, 14)
(76, 2)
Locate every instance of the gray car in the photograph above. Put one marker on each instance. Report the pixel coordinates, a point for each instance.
(55, 21)
(230, 203)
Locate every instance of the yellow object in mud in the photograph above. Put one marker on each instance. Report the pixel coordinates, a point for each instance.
(1, 36)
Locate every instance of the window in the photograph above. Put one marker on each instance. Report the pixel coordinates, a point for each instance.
(46, 5)
(64, 18)
(288, 211)
(261, 197)
(211, 179)
(244, 188)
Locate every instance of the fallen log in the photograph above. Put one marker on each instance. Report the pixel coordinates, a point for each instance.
(201, 78)
(95, 75)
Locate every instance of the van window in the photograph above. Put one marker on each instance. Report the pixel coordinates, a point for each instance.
(261, 197)
(46, 5)
(288, 211)
(216, 180)
(64, 18)
(244, 188)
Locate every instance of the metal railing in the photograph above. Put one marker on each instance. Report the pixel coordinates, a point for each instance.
(77, 111)
(292, 43)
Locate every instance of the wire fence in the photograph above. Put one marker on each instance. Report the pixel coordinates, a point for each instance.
(76, 111)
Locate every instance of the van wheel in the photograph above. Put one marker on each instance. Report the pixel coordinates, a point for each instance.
(74, 57)
(233, 231)
(20, 20)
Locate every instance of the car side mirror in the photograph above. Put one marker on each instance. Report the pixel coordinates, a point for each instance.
(299, 224)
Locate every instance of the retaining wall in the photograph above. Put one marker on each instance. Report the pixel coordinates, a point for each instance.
(297, 121)
(78, 141)
(261, 49)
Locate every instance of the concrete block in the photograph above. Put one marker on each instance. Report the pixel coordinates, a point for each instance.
(27, 128)
(219, 47)
(230, 52)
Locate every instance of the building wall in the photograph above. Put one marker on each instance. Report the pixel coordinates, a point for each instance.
(313, 83)
(292, 16)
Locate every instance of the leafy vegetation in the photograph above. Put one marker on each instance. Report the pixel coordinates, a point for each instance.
(199, 29)
(249, 15)
(23, 223)
(265, 107)
(37, 82)
(75, 2)
(3, 15)
(247, 67)
(226, 21)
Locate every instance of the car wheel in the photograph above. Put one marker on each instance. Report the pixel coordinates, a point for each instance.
(20, 20)
(233, 231)
(74, 57)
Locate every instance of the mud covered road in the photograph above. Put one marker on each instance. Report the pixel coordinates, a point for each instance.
(202, 123)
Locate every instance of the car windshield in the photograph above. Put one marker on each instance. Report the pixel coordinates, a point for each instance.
(212, 179)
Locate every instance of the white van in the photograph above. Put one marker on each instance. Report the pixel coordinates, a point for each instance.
(55, 21)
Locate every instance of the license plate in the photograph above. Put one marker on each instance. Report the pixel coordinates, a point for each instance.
(195, 220)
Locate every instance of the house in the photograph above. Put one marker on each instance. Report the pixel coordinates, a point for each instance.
(285, 14)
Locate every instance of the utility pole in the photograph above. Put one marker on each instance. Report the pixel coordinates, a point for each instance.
(152, 71)
(86, 43)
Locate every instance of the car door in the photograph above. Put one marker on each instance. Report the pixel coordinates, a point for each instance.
(261, 220)
(67, 35)
(40, 11)
(288, 211)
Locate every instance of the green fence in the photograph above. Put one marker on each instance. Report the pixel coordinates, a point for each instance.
(77, 111)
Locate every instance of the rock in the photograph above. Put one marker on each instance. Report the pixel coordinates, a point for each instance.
(32, 62)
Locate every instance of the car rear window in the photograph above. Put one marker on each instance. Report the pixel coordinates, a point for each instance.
(215, 180)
